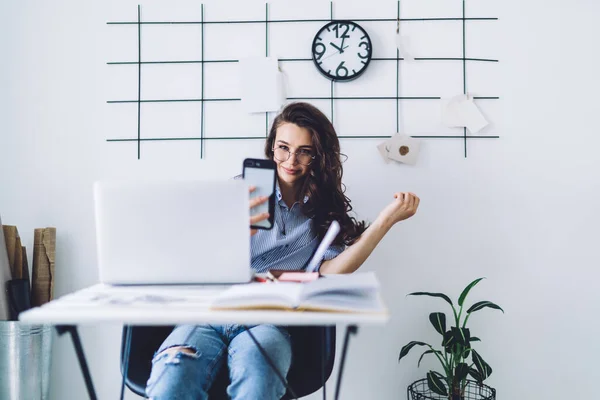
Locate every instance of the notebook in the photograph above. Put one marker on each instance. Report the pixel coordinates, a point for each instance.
(172, 232)
(357, 292)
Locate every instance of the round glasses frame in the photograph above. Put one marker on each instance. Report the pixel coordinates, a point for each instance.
(289, 154)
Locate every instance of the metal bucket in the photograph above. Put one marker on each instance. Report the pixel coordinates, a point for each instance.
(24, 361)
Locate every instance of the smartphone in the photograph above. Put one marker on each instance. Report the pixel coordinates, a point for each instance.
(262, 175)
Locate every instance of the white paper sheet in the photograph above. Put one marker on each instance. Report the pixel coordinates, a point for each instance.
(474, 119)
(451, 115)
(261, 84)
(404, 149)
(403, 45)
(383, 148)
(461, 111)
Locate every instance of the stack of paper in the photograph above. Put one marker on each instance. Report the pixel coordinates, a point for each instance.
(401, 148)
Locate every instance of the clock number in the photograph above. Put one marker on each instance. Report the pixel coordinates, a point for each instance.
(345, 34)
(366, 46)
(319, 50)
(341, 71)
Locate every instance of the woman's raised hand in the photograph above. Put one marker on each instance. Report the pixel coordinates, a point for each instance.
(403, 206)
(254, 219)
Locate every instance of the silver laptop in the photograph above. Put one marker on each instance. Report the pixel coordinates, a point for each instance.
(173, 232)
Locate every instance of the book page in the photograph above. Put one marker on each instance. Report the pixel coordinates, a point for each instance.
(358, 292)
(260, 295)
(366, 301)
(358, 281)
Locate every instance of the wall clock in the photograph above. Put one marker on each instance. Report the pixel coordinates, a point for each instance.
(342, 50)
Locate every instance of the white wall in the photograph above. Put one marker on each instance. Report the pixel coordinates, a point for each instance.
(520, 210)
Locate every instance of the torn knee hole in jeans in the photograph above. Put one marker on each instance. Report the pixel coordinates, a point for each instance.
(173, 354)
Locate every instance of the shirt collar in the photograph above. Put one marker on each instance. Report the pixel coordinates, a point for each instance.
(280, 197)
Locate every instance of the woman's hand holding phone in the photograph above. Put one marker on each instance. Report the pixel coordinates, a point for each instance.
(254, 219)
(261, 178)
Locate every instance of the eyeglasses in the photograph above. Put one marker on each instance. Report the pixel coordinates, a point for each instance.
(303, 156)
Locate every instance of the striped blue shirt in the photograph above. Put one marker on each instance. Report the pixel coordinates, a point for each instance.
(290, 244)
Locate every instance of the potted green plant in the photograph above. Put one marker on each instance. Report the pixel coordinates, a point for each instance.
(454, 356)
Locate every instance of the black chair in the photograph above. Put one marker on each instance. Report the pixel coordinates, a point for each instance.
(313, 354)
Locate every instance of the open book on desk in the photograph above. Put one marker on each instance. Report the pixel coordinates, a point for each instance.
(357, 292)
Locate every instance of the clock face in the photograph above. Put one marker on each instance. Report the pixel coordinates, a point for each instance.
(342, 50)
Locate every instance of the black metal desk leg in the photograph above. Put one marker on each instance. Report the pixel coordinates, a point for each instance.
(72, 329)
(126, 359)
(350, 329)
(323, 345)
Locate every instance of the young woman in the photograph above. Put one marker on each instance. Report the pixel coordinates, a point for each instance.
(305, 147)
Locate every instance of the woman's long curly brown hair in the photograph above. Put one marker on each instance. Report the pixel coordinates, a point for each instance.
(323, 185)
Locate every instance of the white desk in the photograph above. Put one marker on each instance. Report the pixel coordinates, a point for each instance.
(170, 305)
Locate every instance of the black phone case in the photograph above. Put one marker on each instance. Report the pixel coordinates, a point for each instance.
(265, 164)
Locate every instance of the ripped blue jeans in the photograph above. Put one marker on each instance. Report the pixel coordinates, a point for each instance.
(184, 375)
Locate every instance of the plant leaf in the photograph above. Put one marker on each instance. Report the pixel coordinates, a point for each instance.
(483, 304)
(476, 375)
(465, 292)
(461, 335)
(436, 385)
(489, 370)
(448, 339)
(466, 352)
(441, 295)
(475, 339)
(409, 346)
(439, 375)
(438, 320)
(460, 372)
(424, 354)
(483, 368)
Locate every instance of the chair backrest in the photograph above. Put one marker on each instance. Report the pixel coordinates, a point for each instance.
(311, 345)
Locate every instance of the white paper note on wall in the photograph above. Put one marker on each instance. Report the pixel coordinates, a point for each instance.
(262, 84)
(404, 48)
(384, 150)
(474, 119)
(404, 149)
(451, 114)
(461, 111)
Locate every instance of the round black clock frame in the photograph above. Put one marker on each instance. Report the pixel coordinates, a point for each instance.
(358, 55)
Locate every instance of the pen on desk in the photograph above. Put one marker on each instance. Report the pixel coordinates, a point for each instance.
(329, 237)
(266, 278)
(272, 278)
(259, 279)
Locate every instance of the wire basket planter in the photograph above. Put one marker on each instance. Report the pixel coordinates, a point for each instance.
(419, 390)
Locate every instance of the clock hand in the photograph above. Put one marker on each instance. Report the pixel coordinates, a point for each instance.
(334, 54)
(340, 49)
